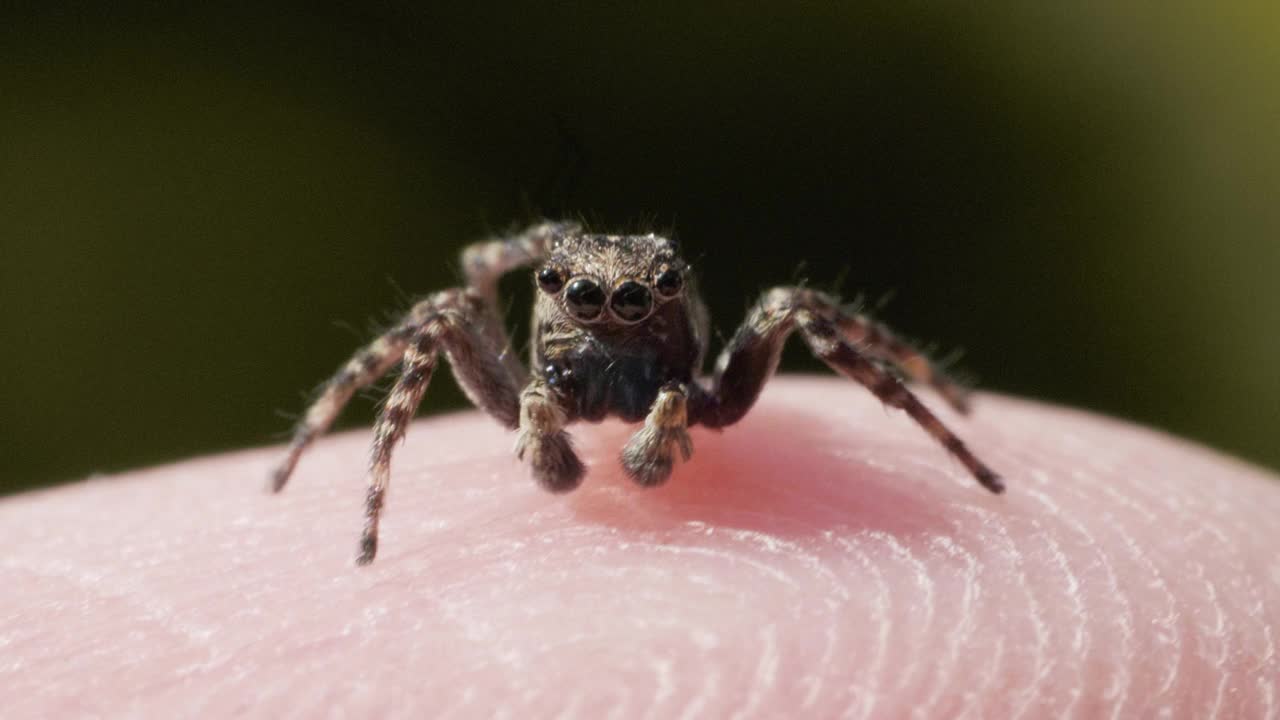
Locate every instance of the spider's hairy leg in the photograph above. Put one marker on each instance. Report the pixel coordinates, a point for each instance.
(487, 261)
(824, 340)
(419, 364)
(747, 361)
(365, 367)
(486, 370)
(454, 323)
(878, 341)
(555, 465)
(752, 356)
(649, 456)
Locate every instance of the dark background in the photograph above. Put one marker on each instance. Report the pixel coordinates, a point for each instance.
(202, 211)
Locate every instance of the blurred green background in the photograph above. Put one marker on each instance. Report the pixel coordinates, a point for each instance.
(203, 210)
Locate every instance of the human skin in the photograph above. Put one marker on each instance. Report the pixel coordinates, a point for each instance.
(823, 558)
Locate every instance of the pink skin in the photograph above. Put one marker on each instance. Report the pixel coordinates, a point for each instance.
(824, 558)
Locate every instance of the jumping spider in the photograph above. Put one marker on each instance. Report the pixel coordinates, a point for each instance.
(618, 330)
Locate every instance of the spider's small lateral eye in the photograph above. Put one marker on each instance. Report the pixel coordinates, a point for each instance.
(550, 280)
(585, 299)
(668, 282)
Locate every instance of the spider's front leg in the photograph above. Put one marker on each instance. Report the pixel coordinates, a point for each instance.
(650, 454)
(458, 325)
(752, 356)
(484, 263)
(878, 341)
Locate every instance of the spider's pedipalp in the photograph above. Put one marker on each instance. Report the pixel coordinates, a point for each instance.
(543, 440)
(752, 356)
(649, 456)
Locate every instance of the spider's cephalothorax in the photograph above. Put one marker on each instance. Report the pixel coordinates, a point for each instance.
(618, 330)
(614, 323)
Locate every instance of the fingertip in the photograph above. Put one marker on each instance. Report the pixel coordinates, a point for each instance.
(822, 534)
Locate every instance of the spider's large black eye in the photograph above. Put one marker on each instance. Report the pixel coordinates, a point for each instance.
(668, 282)
(585, 299)
(631, 301)
(550, 280)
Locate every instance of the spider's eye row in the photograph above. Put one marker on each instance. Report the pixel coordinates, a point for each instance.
(550, 280)
(585, 299)
(631, 301)
(668, 282)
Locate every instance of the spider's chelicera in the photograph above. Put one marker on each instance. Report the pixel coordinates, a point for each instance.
(618, 330)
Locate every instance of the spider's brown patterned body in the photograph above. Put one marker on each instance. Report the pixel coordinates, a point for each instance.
(612, 365)
(619, 331)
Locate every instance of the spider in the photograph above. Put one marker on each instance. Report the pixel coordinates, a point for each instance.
(618, 330)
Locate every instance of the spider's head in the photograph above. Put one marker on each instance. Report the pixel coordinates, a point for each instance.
(613, 280)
